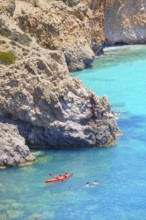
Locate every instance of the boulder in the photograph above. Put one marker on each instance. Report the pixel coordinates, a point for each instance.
(78, 56)
(13, 150)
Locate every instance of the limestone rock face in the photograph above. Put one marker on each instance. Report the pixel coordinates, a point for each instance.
(57, 26)
(58, 110)
(13, 150)
(125, 22)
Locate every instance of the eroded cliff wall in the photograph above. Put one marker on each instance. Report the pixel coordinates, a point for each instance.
(125, 22)
(60, 26)
(98, 21)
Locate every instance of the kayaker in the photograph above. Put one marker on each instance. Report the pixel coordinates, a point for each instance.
(60, 177)
(65, 174)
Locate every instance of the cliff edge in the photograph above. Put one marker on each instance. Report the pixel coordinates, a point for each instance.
(40, 104)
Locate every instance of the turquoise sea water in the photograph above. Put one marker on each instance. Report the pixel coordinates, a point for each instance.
(119, 170)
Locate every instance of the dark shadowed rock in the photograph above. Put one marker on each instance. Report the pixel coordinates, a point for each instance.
(71, 3)
(78, 56)
(97, 48)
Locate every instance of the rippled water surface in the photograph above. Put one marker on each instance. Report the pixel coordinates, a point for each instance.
(119, 170)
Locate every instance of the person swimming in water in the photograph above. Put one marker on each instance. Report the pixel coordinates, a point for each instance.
(87, 185)
(95, 183)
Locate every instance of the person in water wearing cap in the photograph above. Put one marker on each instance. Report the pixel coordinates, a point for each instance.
(87, 185)
(95, 183)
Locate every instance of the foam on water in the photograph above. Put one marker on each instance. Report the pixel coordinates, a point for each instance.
(120, 170)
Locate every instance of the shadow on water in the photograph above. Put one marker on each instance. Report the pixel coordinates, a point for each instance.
(134, 126)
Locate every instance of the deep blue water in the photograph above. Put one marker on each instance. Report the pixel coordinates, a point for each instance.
(120, 170)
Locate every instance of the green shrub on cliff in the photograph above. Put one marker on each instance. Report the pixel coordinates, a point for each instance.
(7, 58)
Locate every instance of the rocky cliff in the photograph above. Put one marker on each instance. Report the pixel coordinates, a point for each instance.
(56, 110)
(40, 104)
(125, 22)
(58, 26)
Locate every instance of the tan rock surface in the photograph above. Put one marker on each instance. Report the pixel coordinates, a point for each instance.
(57, 26)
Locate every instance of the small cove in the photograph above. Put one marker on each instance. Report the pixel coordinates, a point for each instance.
(120, 169)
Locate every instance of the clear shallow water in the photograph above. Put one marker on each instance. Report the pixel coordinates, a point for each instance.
(120, 170)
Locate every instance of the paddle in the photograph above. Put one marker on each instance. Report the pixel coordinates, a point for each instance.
(50, 174)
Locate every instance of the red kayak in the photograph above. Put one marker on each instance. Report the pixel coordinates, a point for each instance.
(59, 178)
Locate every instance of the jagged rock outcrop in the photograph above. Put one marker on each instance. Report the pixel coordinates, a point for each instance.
(58, 110)
(13, 150)
(58, 26)
(125, 22)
